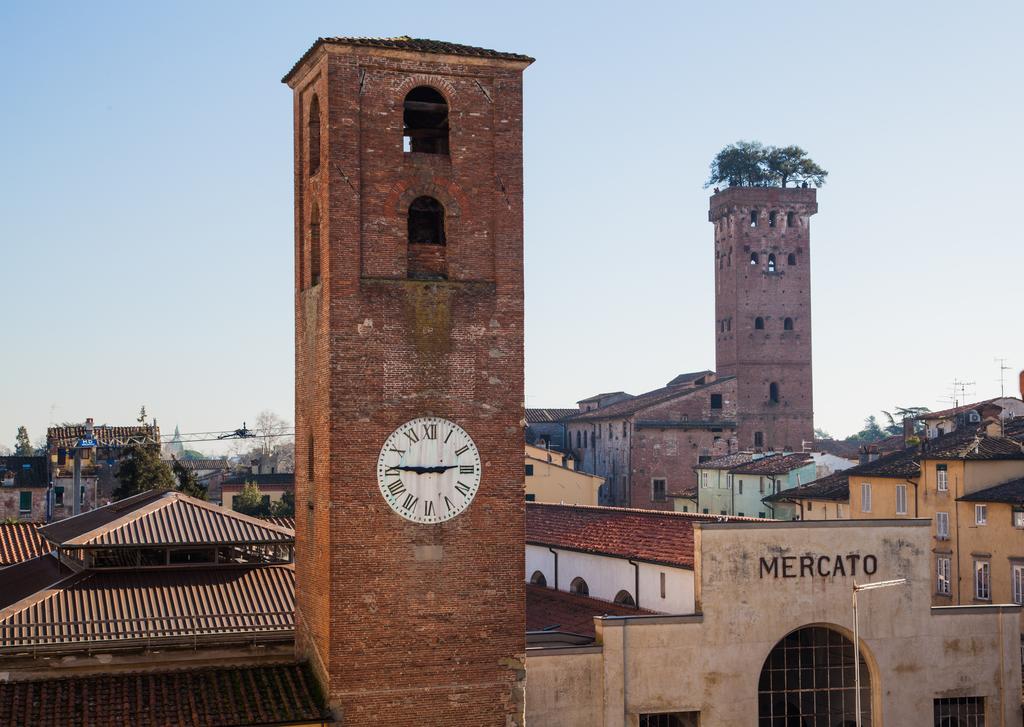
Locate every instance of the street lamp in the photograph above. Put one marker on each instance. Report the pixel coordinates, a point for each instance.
(856, 636)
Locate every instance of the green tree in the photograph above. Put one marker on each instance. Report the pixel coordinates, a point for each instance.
(751, 164)
(250, 501)
(285, 507)
(188, 483)
(739, 165)
(821, 434)
(142, 415)
(142, 469)
(22, 444)
(871, 432)
(896, 417)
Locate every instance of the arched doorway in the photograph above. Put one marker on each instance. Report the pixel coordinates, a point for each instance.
(808, 681)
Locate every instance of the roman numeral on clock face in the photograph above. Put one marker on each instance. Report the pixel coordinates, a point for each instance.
(396, 488)
(460, 452)
(411, 434)
(410, 502)
(466, 469)
(430, 431)
(462, 488)
(448, 503)
(428, 508)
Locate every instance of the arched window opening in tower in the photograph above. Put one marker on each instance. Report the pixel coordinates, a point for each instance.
(578, 439)
(753, 218)
(773, 218)
(771, 263)
(314, 244)
(425, 119)
(313, 136)
(624, 598)
(538, 579)
(754, 258)
(773, 393)
(579, 587)
(791, 259)
(790, 219)
(787, 324)
(427, 241)
(759, 324)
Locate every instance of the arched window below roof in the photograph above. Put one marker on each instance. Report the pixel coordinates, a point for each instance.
(538, 579)
(425, 121)
(579, 587)
(623, 598)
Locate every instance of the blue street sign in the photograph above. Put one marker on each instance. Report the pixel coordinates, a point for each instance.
(85, 442)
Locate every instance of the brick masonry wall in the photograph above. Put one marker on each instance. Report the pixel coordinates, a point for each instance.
(410, 624)
(746, 291)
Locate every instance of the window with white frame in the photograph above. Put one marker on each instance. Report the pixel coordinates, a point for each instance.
(942, 525)
(942, 573)
(982, 580)
(865, 497)
(1018, 519)
(901, 499)
(741, 487)
(704, 479)
(941, 478)
(1017, 575)
(980, 514)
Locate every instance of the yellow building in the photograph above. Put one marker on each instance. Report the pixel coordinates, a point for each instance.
(551, 476)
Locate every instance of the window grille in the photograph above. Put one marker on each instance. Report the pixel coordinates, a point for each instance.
(960, 712)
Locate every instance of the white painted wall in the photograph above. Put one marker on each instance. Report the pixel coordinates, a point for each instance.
(607, 576)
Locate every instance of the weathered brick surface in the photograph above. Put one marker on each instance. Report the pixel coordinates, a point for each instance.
(396, 640)
(746, 291)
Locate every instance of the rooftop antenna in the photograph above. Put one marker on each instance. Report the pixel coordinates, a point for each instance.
(1003, 368)
(959, 387)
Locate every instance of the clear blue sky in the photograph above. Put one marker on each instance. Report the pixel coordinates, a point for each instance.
(146, 194)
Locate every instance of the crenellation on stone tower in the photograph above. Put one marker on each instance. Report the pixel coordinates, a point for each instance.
(763, 311)
(409, 307)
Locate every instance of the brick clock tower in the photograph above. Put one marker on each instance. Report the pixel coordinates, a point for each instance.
(409, 380)
(763, 310)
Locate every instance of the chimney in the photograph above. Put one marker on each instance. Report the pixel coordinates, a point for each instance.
(908, 431)
(88, 427)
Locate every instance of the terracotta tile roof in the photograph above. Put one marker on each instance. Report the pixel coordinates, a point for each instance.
(643, 401)
(1011, 492)
(598, 397)
(23, 579)
(834, 488)
(542, 416)
(250, 696)
(149, 605)
(849, 450)
(104, 435)
(683, 379)
(26, 471)
(194, 465)
(725, 462)
(654, 536)
(901, 464)
(20, 541)
(418, 45)
(160, 517)
(972, 447)
(773, 464)
(951, 412)
(548, 609)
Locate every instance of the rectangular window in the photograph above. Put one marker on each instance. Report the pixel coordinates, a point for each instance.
(658, 489)
(758, 439)
(704, 479)
(981, 514)
(740, 514)
(942, 565)
(810, 504)
(1018, 519)
(529, 470)
(741, 487)
(941, 478)
(761, 481)
(982, 580)
(960, 711)
(865, 497)
(901, 499)
(716, 401)
(530, 497)
(760, 514)
(58, 496)
(25, 502)
(662, 584)
(705, 511)
(669, 719)
(942, 525)
(1017, 575)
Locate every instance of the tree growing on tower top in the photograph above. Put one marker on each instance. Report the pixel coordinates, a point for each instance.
(751, 164)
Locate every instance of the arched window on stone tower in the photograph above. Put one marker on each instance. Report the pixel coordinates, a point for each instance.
(787, 324)
(754, 258)
(427, 242)
(425, 121)
(791, 259)
(753, 218)
(771, 263)
(773, 218)
(314, 244)
(773, 393)
(313, 136)
(759, 324)
(790, 219)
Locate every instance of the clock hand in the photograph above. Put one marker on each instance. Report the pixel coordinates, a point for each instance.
(426, 470)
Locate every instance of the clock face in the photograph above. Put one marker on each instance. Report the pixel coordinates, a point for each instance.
(428, 470)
